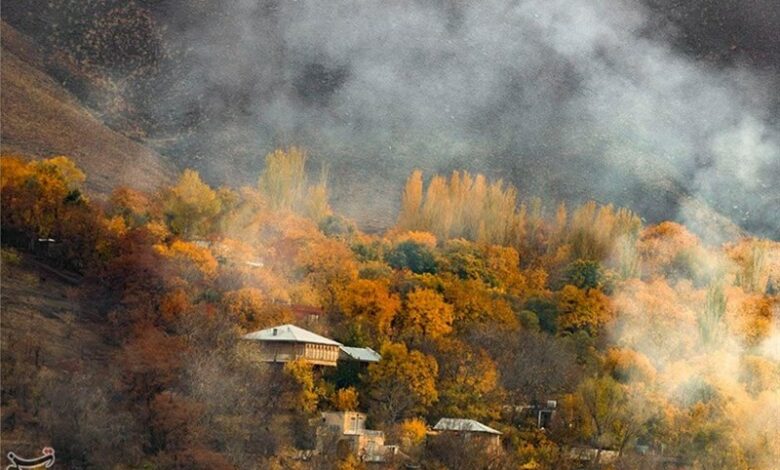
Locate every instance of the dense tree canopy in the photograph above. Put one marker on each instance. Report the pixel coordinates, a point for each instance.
(656, 346)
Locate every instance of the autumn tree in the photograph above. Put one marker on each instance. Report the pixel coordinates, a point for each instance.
(174, 422)
(370, 303)
(596, 411)
(345, 399)
(329, 266)
(626, 365)
(701, 429)
(411, 200)
(133, 206)
(609, 415)
(188, 260)
(173, 305)
(283, 180)
(316, 206)
(190, 206)
(462, 206)
(425, 315)
(756, 263)
(151, 363)
(586, 274)
(580, 309)
(241, 396)
(474, 304)
(664, 246)
(285, 184)
(533, 367)
(250, 310)
(303, 394)
(711, 315)
(468, 382)
(655, 318)
(35, 195)
(595, 231)
(402, 384)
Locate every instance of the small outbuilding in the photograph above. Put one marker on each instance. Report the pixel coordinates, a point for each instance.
(470, 431)
(347, 429)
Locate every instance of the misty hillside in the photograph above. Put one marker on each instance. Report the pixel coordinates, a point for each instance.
(653, 105)
(203, 328)
(390, 234)
(40, 117)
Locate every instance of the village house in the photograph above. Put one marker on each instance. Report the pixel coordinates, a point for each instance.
(285, 343)
(471, 432)
(347, 430)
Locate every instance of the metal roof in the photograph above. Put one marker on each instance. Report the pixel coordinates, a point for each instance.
(466, 425)
(361, 354)
(289, 333)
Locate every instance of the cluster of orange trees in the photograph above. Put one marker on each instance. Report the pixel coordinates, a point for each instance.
(480, 306)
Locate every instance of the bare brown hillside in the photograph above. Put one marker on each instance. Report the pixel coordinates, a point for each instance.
(40, 118)
(47, 333)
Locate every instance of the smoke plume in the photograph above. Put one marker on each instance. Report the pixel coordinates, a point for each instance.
(570, 100)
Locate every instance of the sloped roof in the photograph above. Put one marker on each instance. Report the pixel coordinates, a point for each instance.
(289, 333)
(466, 425)
(361, 354)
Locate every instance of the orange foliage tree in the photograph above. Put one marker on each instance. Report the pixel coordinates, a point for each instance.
(370, 304)
(402, 384)
(425, 315)
(581, 309)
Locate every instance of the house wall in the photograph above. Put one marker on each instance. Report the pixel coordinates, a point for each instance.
(490, 442)
(349, 427)
(371, 446)
(347, 422)
(483, 440)
(279, 351)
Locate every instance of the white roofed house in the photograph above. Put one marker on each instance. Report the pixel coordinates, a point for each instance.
(470, 431)
(285, 343)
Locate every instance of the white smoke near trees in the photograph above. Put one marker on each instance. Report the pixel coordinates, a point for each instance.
(569, 100)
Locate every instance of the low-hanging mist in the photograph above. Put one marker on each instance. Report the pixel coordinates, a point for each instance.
(668, 109)
(568, 100)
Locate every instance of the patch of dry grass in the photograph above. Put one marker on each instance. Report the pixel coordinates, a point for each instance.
(38, 117)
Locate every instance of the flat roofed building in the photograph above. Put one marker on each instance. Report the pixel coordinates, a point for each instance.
(349, 428)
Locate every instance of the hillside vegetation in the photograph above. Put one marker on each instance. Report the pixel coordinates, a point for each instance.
(656, 346)
(41, 118)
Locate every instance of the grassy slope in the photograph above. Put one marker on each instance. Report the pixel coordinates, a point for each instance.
(46, 327)
(40, 118)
